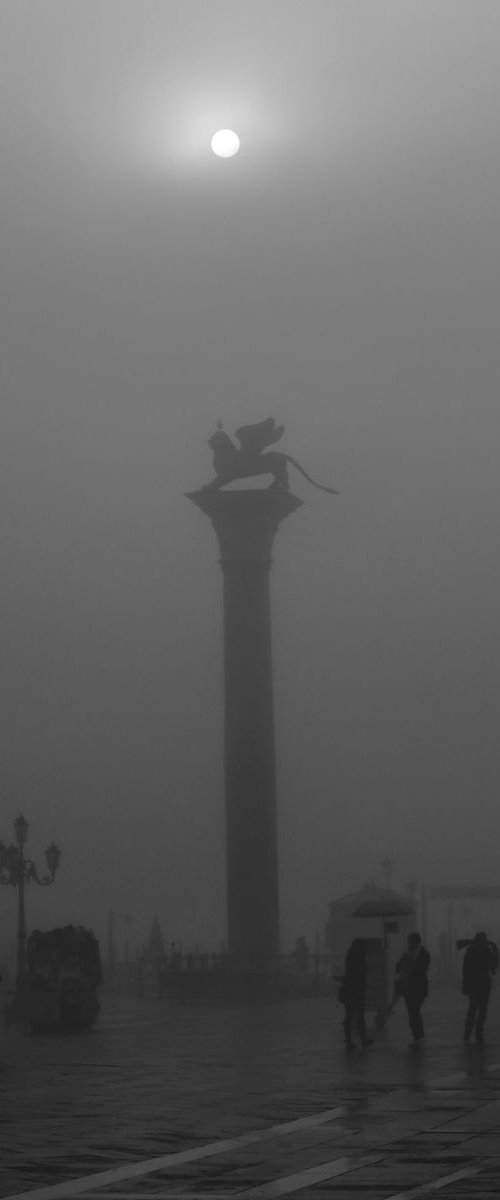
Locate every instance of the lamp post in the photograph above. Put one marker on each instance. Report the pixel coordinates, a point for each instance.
(388, 867)
(17, 871)
(128, 920)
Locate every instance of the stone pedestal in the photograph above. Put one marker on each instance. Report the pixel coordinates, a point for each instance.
(245, 523)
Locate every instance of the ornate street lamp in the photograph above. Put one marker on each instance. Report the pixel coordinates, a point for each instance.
(21, 830)
(52, 855)
(17, 871)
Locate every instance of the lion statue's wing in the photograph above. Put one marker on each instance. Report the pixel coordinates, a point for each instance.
(254, 438)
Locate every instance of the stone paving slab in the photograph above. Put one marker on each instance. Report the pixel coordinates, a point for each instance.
(165, 1103)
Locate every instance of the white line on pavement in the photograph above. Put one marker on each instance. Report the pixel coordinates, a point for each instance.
(103, 1179)
(435, 1185)
(86, 1183)
(444, 1081)
(310, 1176)
(284, 1186)
(292, 1183)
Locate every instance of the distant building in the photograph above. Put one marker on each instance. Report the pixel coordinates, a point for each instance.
(371, 912)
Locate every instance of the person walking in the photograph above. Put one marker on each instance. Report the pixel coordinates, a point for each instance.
(412, 983)
(352, 993)
(479, 965)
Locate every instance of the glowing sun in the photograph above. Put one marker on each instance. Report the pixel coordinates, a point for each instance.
(225, 143)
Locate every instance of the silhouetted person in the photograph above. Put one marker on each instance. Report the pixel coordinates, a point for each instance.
(353, 992)
(479, 965)
(412, 983)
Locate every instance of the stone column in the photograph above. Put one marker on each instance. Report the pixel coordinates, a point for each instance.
(245, 523)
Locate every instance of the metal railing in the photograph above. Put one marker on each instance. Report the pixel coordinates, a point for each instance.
(211, 974)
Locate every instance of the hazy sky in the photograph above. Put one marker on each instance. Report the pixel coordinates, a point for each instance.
(342, 274)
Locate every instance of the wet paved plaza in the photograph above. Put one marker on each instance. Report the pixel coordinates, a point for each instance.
(167, 1101)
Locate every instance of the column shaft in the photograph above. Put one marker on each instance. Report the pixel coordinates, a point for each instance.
(245, 523)
(251, 821)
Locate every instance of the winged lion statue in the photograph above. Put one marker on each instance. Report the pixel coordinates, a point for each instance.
(231, 462)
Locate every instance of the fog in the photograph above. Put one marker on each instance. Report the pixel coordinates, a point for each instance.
(341, 274)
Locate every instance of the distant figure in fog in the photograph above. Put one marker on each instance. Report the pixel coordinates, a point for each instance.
(479, 965)
(412, 984)
(352, 993)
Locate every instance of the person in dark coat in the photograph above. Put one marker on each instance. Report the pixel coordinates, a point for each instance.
(353, 993)
(479, 965)
(411, 982)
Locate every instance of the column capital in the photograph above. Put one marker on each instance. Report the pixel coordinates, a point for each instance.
(245, 521)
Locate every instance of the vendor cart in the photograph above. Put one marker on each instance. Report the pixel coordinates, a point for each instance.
(380, 984)
(63, 973)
